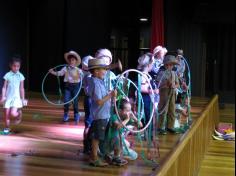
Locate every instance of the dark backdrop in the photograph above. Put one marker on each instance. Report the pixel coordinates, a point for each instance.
(42, 30)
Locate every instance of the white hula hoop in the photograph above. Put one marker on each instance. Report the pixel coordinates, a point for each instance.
(46, 98)
(152, 101)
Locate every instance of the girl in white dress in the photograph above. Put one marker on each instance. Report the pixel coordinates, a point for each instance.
(13, 94)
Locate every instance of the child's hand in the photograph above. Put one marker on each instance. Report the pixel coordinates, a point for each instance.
(156, 91)
(113, 93)
(132, 116)
(169, 84)
(51, 71)
(24, 102)
(118, 125)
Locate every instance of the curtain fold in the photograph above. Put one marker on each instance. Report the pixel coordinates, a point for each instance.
(157, 29)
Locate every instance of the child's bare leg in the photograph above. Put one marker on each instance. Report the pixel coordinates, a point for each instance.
(17, 113)
(7, 117)
(94, 155)
(116, 152)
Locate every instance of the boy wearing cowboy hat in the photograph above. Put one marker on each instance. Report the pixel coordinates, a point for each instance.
(72, 77)
(100, 107)
(168, 81)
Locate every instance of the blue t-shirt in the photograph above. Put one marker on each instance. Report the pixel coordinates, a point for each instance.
(97, 91)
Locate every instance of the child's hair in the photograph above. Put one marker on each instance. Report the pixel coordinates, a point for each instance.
(14, 59)
(123, 103)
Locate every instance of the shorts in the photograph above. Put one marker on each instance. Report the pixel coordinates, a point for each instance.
(98, 129)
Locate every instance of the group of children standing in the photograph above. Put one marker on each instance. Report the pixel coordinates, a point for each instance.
(104, 134)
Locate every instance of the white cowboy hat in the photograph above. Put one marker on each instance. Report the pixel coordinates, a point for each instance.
(157, 49)
(97, 63)
(85, 62)
(72, 53)
(104, 53)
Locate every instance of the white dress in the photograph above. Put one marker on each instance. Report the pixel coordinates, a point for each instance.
(13, 98)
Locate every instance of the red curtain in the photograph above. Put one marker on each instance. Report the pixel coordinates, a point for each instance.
(157, 34)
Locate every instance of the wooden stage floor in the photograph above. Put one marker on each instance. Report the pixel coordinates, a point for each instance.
(43, 146)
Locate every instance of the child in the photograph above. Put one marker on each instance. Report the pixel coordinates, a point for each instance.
(72, 77)
(13, 94)
(181, 113)
(116, 139)
(87, 103)
(145, 65)
(100, 107)
(168, 83)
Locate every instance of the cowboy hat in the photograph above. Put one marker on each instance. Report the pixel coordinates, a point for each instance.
(157, 49)
(104, 53)
(85, 62)
(170, 59)
(76, 56)
(97, 63)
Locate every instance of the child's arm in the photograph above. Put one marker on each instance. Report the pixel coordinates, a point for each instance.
(118, 125)
(111, 94)
(22, 92)
(57, 73)
(4, 88)
(139, 123)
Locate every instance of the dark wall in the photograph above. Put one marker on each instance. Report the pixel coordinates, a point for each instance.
(205, 31)
(13, 34)
(41, 31)
(87, 26)
(46, 30)
(57, 26)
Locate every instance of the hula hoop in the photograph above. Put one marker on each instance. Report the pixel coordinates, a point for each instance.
(46, 98)
(142, 111)
(189, 76)
(152, 97)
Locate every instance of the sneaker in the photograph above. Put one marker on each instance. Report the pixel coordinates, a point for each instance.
(65, 117)
(108, 158)
(76, 117)
(6, 131)
(162, 132)
(119, 162)
(174, 131)
(98, 163)
(219, 138)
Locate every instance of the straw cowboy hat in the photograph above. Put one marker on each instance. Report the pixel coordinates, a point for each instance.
(76, 56)
(85, 62)
(170, 59)
(104, 53)
(97, 63)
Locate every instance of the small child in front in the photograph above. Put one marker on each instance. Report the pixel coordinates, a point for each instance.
(100, 107)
